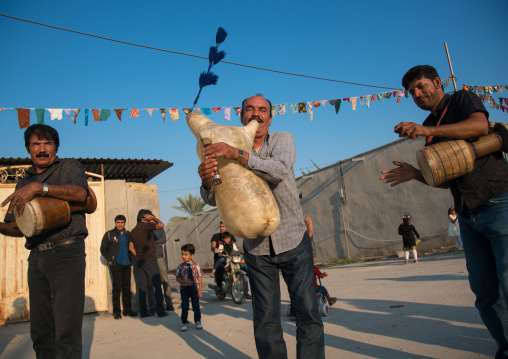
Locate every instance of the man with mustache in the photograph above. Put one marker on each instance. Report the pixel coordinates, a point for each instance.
(481, 197)
(287, 250)
(56, 264)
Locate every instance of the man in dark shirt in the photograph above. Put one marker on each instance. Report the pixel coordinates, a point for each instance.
(481, 197)
(56, 264)
(143, 247)
(216, 241)
(115, 248)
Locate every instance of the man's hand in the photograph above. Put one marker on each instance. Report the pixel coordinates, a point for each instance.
(200, 293)
(206, 171)
(22, 196)
(411, 130)
(403, 173)
(220, 149)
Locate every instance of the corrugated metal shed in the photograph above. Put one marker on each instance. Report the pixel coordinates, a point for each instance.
(130, 170)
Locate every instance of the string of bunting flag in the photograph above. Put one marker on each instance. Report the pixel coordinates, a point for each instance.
(99, 115)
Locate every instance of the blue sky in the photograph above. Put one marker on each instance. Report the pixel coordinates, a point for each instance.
(368, 42)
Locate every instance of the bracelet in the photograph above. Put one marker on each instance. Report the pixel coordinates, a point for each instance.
(45, 189)
(240, 155)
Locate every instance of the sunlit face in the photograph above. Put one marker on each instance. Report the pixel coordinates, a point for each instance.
(227, 240)
(222, 228)
(120, 225)
(42, 152)
(187, 257)
(426, 93)
(258, 109)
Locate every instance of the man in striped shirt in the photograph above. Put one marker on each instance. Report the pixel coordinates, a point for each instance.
(287, 250)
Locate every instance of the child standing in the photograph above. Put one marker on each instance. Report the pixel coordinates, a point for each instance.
(189, 274)
(408, 232)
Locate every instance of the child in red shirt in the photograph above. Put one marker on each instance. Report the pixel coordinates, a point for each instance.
(320, 288)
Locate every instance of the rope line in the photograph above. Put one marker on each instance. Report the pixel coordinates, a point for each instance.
(196, 56)
(380, 240)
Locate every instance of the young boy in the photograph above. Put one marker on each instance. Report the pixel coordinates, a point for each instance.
(189, 274)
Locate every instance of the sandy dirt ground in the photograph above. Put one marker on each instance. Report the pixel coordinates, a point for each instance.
(386, 309)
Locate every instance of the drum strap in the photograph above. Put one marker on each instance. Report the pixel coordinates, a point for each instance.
(430, 138)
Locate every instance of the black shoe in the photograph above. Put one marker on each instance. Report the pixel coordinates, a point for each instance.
(130, 314)
(247, 296)
(170, 308)
(163, 315)
(149, 314)
(117, 316)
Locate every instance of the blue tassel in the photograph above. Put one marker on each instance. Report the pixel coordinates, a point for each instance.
(207, 78)
(212, 54)
(221, 35)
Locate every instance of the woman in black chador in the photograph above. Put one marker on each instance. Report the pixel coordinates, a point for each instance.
(409, 235)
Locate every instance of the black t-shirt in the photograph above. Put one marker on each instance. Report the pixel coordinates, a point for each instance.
(489, 177)
(217, 238)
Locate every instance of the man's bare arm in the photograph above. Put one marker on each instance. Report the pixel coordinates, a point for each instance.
(66, 192)
(10, 229)
(475, 125)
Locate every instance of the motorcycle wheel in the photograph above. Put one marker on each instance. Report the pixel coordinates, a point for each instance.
(239, 288)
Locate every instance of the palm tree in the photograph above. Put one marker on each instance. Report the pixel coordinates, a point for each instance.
(191, 205)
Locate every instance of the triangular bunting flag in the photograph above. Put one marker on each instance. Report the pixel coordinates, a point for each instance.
(56, 113)
(174, 114)
(39, 113)
(76, 111)
(311, 112)
(337, 106)
(227, 113)
(105, 113)
(282, 109)
(86, 117)
(23, 117)
(118, 112)
(135, 113)
(163, 114)
(96, 115)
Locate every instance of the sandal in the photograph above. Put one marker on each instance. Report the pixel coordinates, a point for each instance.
(332, 301)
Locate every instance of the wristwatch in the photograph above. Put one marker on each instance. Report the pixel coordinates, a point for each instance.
(45, 189)
(240, 155)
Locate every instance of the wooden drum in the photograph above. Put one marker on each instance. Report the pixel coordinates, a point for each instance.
(43, 214)
(445, 161)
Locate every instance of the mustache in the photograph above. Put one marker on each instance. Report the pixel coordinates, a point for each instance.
(256, 118)
(42, 154)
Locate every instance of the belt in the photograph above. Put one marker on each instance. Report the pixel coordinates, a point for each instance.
(52, 245)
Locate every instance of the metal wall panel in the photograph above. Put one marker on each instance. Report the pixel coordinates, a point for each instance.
(14, 305)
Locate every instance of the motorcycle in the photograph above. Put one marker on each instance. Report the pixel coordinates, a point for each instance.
(234, 279)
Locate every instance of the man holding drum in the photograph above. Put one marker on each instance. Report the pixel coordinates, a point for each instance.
(287, 250)
(56, 264)
(481, 197)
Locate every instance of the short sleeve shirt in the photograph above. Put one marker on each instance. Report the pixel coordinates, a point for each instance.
(489, 177)
(65, 171)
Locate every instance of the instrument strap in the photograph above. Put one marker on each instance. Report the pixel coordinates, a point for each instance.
(430, 138)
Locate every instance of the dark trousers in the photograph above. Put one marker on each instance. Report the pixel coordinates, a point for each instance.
(149, 271)
(121, 276)
(297, 269)
(191, 293)
(56, 281)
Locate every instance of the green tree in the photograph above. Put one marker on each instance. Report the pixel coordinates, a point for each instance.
(191, 205)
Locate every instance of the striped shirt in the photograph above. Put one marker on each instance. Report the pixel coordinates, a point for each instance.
(274, 163)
